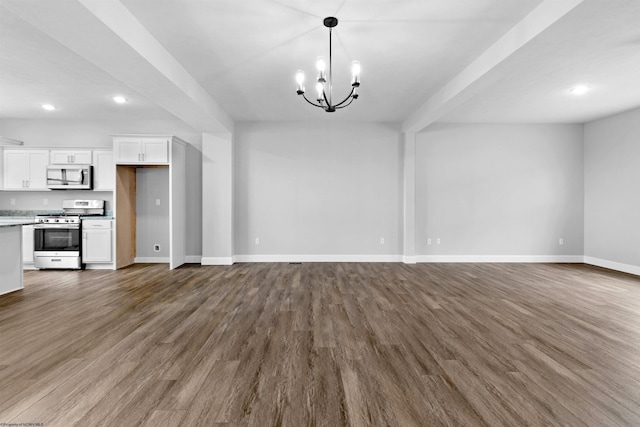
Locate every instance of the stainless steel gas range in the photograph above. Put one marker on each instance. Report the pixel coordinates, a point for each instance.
(57, 238)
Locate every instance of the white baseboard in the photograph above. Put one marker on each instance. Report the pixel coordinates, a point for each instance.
(613, 265)
(99, 267)
(12, 290)
(151, 260)
(502, 258)
(318, 258)
(193, 259)
(216, 260)
(410, 259)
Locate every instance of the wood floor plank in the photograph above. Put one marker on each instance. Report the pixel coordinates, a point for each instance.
(323, 344)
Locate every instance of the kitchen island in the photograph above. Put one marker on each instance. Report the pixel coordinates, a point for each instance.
(11, 254)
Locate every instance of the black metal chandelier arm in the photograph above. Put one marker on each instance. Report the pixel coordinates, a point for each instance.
(343, 106)
(306, 99)
(350, 96)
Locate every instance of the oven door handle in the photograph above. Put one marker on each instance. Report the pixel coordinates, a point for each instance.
(50, 226)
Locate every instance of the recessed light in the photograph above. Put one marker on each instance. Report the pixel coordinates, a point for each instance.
(120, 99)
(579, 89)
(48, 107)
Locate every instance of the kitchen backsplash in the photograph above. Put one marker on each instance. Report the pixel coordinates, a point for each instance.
(32, 213)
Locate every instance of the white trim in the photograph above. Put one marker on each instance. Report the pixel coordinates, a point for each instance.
(613, 265)
(90, 266)
(217, 261)
(409, 259)
(193, 259)
(151, 260)
(318, 258)
(503, 258)
(12, 290)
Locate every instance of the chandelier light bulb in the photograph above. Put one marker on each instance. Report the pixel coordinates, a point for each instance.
(355, 68)
(320, 90)
(321, 66)
(300, 82)
(355, 73)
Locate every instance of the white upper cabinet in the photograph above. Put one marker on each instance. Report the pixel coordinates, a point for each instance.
(141, 150)
(78, 157)
(25, 169)
(103, 171)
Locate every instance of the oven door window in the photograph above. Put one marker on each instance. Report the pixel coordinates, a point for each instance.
(56, 239)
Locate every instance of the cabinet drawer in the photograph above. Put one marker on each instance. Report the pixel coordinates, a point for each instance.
(97, 223)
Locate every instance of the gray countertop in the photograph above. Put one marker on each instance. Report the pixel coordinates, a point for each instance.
(14, 222)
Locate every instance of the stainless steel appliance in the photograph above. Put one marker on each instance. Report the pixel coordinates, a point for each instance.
(69, 177)
(57, 238)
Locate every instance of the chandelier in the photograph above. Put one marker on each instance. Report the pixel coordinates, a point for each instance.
(324, 86)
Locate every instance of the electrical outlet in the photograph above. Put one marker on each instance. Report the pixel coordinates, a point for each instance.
(257, 240)
(429, 241)
(561, 241)
(438, 241)
(157, 202)
(45, 202)
(382, 240)
(13, 202)
(156, 248)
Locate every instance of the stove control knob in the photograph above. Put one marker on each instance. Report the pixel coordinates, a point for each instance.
(57, 220)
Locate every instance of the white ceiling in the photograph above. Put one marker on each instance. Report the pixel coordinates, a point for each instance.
(183, 58)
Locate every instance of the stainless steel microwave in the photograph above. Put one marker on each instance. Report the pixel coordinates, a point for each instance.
(69, 177)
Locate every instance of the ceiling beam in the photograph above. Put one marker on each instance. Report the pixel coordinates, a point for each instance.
(106, 34)
(460, 88)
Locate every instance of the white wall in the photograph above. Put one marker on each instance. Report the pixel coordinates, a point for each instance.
(53, 133)
(490, 190)
(612, 191)
(313, 189)
(217, 199)
(152, 220)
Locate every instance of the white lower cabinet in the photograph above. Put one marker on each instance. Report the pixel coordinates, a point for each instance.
(97, 241)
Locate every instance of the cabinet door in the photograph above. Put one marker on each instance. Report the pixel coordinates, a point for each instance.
(27, 243)
(38, 161)
(128, 150)
(96, 245)
(63, 157)
(81, 157)
(59, 157)
(103, 171)
(155, 150)
(16, 170)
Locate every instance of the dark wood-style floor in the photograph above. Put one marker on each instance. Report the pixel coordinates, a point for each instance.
(323, 344)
